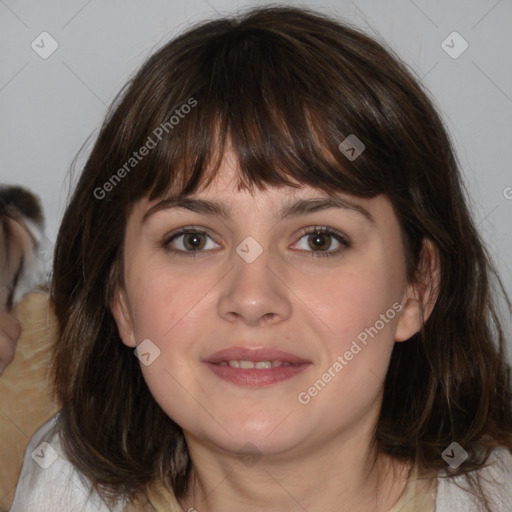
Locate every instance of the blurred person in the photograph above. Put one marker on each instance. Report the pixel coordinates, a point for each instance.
(21, 270)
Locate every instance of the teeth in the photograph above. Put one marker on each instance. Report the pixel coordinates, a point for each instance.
(260, 365)
(263, 364)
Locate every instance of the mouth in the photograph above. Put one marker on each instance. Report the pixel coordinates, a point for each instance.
(259, 365)
(255, 367)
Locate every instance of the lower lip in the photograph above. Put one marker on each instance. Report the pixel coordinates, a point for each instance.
(255, 377)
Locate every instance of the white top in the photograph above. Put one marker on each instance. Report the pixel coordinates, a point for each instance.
(48, 480)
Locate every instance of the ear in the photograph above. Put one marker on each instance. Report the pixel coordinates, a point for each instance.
(420, 296)
(122, 316)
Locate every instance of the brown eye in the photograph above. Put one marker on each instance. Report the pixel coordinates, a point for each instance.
(320, 240)
(193, 241)
(188, 241)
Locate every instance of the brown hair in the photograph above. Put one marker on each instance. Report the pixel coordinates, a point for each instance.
(287, 86)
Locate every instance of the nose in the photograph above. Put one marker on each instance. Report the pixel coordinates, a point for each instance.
(255, 293)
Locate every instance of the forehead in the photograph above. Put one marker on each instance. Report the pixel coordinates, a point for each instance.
(223, 197)
(226, 189)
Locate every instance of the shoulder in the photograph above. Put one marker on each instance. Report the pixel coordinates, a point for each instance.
(47, 478)
(496, 481)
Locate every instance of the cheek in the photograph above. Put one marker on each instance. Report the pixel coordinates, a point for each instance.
(354, 297)
(358, 310)
(356, 304)
(161, 300)
(162, 306)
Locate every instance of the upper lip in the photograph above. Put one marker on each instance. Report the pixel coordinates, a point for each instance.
(254, 354)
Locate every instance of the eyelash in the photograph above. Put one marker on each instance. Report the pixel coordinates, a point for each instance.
(344, 242)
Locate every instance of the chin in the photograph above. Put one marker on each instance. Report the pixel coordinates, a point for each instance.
(268, 435)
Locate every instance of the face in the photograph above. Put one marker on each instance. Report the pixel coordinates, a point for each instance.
(268, 324)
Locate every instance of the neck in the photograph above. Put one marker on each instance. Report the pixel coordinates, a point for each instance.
(342, 474)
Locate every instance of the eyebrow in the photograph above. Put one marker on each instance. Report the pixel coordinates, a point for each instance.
(294, 209)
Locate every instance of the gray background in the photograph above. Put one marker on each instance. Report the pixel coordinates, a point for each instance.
(49, 107)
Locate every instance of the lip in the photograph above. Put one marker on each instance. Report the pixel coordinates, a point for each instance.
(254, 354)
(252, 376)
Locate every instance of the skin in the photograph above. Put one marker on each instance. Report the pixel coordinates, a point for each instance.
(10, 328)
(317, 455)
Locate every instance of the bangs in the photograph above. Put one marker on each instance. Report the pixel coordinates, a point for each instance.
(256, 93)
